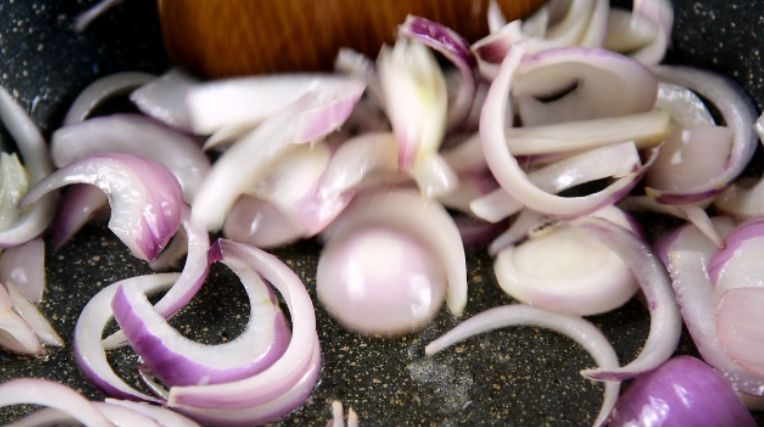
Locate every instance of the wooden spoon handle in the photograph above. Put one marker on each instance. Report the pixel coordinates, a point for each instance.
(216, 38)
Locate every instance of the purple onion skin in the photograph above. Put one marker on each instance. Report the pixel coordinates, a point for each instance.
(682, 392)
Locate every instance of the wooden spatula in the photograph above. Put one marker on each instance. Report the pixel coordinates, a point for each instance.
(217, 38)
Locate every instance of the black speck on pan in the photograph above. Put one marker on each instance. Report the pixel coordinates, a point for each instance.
(520, 376)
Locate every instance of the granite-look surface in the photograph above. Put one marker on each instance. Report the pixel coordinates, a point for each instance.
(519, 376)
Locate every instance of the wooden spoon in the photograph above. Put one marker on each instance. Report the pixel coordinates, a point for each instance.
(216, 38)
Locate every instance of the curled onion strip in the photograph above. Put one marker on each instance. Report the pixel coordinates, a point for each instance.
(575, 328)
(17, 335)
(101, 90)
(665, 320)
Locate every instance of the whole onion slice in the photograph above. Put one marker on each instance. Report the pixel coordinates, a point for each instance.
(575, 328)
(16, 335)
(133, 134)
(665, 320)
(34, 219)
(54, 395)
(267, 412)
(454, 47)
(189, 282)
(165, 417)
(165, 98)
(695, 296)
(738, 113)
(145, 198)
(285, 372)
(367, 296)
(682, 392)
(566, 270)
(243, 164)
(101, 90)
(31, 314)
(177, 360)
(738, 321)
(88, 350)
(80, 205)
(247, 101)
(428, 221)
(24, 267)
(594, 75)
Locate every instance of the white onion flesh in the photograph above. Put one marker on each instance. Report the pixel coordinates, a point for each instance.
(34, 318)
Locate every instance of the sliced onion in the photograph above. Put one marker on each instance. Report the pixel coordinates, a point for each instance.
(247, 101)
(34, 219)
(356, 159)
(241, 166)
(738, 319)
(627, 32)
(128, 133)
(15, 333)
(682, 392)
(665, 320)
(566, 270)
(24, 267)
(165, 99)
(92, 13)
(523, 225)
(695, 296)
(338, 416)
(367, 296)
(454, 47)
(101, 90)
(645, 129)
(575, 328)
(192, 277)
(734, 244)
(13, 185)
(693, 213)
(415, 98)
(33, 317)
(259, 223)
(80, 205)
(661, 14)
(596, 75)
(689, 237)
(161, 415)
(117, 415)
(145, 198)
(609, 161)
(270, 411)
(177, 360)
(741, 200)
(54, 395)
(88, 350)
(285, 372)
(428, 221)
(738, 113)
(471, 187)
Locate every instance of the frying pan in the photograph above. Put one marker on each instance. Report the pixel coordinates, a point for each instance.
(519, 376)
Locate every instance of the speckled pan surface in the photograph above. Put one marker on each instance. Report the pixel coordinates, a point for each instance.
(521, 376)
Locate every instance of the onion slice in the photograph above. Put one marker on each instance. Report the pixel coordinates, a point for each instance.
(575, 328)
(164, 99)
(507, 171)
(101, 90)
(409, 212)
(34, 318)
(177, 360)
(285, 372)
(592, 76)
(665, 320)
(738, 321)
(80, 205)
(189, 282)
(34, 219)
(454, 47)
(24, 267)
(145, 198)
(259, 223)
(738, 113)
(88, 349)
(54, 395)
(165, 417)
(15, 333)
(133, 134)
(243, 164)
